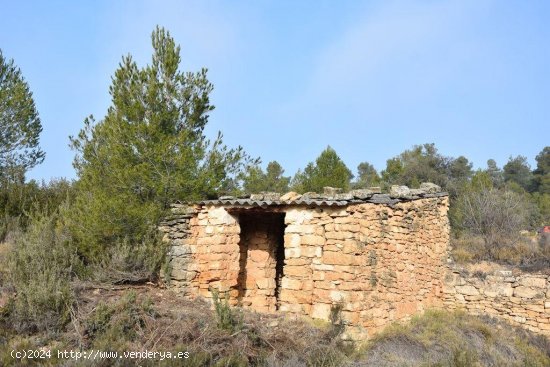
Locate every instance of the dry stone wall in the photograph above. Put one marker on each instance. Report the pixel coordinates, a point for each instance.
(519, 298)
(383, 263)
(204, 250)
(382, 260)
(382, 257)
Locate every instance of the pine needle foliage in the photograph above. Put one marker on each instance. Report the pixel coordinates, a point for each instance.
(148, 151)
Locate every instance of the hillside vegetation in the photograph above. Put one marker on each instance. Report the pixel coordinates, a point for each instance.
(148, 318)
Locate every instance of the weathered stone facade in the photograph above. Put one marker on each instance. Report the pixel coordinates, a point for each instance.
(382, 256)
(519, 298)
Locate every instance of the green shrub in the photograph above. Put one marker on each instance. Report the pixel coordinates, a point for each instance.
(41, 265)
(227, 318)
(124, 262)
(19, 201)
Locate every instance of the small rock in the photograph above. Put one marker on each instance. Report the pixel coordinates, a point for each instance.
(290, 196)
(430, 188)
(312, 196)
(331, 191)
(526, 292)
(271, 196)
(416, 192)
(256, 197)
(467, 290)
(361, 193)
(344, 196)
(227, 197)
(399, 191)
(533, 282)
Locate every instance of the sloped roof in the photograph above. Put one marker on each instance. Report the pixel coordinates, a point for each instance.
(332, 198)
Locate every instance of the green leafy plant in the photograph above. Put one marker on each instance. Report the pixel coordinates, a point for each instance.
(228, 318)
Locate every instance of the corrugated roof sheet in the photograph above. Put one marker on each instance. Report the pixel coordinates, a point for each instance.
(249, 202)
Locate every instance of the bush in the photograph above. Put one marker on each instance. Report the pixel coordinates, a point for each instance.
(497, 216)
(111, 327)
(127, 263)
(41, 265)
(326, 356)
(525, 253)
(20, 201)
(228, 319)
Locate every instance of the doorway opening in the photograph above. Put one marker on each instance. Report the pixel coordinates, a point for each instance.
(261, 261)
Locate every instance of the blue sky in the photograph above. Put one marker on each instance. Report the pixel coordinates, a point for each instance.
(370, 78)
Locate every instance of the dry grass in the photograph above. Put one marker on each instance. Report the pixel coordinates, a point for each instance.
(149, 318)
(440, 338)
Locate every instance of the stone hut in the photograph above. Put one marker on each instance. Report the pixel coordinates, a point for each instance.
(382, 257)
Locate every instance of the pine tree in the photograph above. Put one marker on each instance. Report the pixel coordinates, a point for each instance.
(256, 180)
(518, 171)
(20, 125)
(149, 150)
(366, 176)
(542, 172)
(328, 170)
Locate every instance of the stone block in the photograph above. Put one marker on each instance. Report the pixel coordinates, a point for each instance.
(399, 191)
(337, 296)
(526, 292)
(533, 282)
(430, 188)
(177, 251)
(297, 261)
(219, 216)
(300, 229)
(291, 308)
(331, 191)
(290, 196)
(322, 267)
(265, 283)
(311, 251)
(295, 296)
(293, 240)
(337, 258)
(467, 290)
(260, 256)
(293, 252)
(362, 193)
(505, 289)
(298, 216)
(320, 311)
(298, 271)
(292, 284)
(313, 240)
